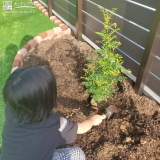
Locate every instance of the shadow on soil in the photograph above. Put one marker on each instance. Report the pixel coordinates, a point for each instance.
(74, 104)
(34, 60)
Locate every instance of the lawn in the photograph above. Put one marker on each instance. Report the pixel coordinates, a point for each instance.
(17, 27)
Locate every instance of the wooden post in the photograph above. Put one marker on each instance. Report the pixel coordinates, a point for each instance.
(50, 7)
(79, 20)
(149, 53)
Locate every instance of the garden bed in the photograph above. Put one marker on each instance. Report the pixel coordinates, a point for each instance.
(132, 133)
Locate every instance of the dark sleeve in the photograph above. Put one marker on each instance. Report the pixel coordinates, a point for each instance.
(68, 130)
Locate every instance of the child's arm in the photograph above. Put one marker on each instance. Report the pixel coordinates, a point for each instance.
(87, 124)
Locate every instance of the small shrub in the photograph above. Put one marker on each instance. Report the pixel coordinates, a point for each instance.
(104, 71)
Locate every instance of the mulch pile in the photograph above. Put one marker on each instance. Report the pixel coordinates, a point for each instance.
(132, 133)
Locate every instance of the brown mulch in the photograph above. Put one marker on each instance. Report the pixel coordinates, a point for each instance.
(131, 134)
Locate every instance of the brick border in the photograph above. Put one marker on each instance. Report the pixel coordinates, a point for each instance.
(56, 32)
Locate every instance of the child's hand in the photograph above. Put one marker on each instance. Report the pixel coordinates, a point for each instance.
(97, 119)
(86, 125)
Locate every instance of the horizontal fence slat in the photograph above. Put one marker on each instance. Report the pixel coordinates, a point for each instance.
(153, 83)
(70, 9)
(137, 14)
(128, 47)
(70, 18)
(45, 1)
(128, 63)
(155, 68)
(129, 30)
(72, 1)
(149, 3)
(131, 49)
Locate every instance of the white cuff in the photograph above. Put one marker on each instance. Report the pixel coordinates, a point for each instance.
(63, 124)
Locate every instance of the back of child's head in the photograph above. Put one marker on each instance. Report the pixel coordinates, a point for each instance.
(31, 92)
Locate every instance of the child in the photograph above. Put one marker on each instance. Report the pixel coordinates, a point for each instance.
(31, 130)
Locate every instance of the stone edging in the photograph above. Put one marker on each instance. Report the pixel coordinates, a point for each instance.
(56, 32)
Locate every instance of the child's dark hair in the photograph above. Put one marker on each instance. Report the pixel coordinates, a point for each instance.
(31, 92)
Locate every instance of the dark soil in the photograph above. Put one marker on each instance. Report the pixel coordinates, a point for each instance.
(131, 134)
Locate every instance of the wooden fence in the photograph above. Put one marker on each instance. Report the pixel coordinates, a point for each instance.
(139, 23)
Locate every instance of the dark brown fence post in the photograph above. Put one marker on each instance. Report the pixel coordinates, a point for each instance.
(149, 53)
(79, 20)
(50, 7)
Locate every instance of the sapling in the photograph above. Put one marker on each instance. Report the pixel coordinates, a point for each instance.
(105, 70)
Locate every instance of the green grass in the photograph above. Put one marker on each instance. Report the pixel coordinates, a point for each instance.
(16, 29)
